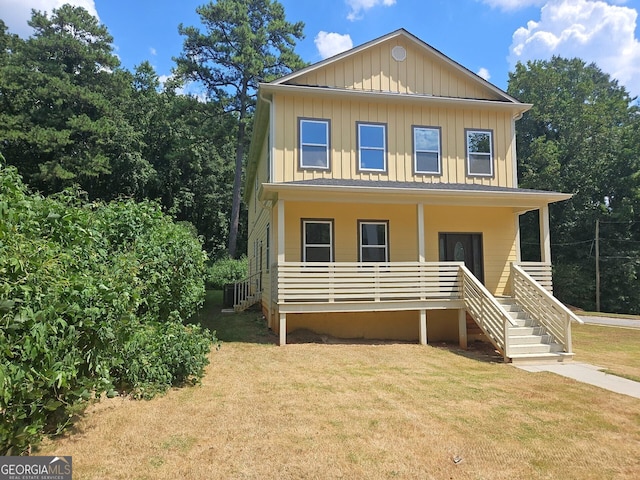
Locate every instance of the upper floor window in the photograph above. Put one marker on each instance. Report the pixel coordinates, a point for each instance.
(314, 144)
(374, 241)
(480, 153)
(372, 147)
(317, 240)
(426, 150)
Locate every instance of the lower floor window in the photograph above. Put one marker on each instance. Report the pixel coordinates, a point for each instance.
(374, 241)
(317, 240)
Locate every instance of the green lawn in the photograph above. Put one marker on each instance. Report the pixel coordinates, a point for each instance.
(384, 411)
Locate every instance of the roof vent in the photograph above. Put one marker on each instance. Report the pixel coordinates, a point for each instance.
(398, 53)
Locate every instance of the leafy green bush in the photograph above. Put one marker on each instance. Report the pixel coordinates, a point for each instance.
(227, 270)
(160, 355)
(86, 291)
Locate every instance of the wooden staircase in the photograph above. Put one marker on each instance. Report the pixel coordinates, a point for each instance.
(247, 292)
(529, 341)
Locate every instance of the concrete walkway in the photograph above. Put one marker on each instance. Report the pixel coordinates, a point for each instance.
(610, 321)
(591, 374)
(587, 373)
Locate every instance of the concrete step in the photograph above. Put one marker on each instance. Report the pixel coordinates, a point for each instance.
(534, 348)
(525, 322)
(524, 330)
(529, 339)
(552, 357)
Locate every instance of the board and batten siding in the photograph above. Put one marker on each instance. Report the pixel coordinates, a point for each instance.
(399, 119)
(374, 69)
(258, 217)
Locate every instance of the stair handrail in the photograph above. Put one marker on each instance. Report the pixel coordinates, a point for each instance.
(502, 340)
(545, 293)
(543, 302)
(246, 287)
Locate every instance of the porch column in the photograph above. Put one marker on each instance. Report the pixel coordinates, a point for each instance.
(283, 329)
(462, 328)
(280, 231)
(423, 327)
(545, 239)
(421, 249)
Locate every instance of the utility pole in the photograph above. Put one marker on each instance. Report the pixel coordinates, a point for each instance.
(597, 264)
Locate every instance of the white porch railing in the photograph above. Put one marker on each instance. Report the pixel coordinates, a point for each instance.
(355, 282)
(543, 306)
(490, 316)
(247, 291)
(541, 272)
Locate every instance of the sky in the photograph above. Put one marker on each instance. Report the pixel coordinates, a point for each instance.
(486, 36)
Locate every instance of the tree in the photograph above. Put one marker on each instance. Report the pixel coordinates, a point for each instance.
(579, 138)
(185, 141)
(245, 42)
(60, 93)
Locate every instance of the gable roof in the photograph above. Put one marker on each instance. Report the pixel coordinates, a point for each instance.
(421, 46)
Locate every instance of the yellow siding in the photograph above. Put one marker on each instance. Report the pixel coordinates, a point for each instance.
(403, 232)
(497, 226)
(374, 69)
(442, 325)
(399, 118)
(258, 217)
(370, 325)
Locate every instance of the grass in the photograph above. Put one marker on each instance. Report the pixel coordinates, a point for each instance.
(615, 349)
(323, 411)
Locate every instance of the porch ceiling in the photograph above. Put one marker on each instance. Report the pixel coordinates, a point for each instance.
(362, 191)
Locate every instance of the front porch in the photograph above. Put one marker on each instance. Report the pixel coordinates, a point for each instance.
(512, 324)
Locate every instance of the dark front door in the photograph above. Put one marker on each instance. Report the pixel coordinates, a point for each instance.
(463, 247)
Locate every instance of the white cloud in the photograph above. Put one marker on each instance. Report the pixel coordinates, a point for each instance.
(330, 44)
(16, 13)
(511, 5)
(594, 31)
(358, 7)
(484, 73)
(153, 51)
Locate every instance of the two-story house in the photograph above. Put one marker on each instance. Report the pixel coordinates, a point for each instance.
(383, 202)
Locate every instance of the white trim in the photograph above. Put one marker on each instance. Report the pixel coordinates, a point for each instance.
(428, 100)
(326, 145)
(361, 246)
(272, 135)
(382, 149)
(438, 130)
(514, 153)
(523, 201)
(545, 238)
(421, 245)
(481, 154)
(280, 231)
(320, 245)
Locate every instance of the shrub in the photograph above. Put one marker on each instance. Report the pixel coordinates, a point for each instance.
(84, 290)
(226, 270)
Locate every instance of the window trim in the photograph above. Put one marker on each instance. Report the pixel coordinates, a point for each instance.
(303, 239)
(415, 150)
(386, 234)
(384, 147)
(327, 123)
(467, 131)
